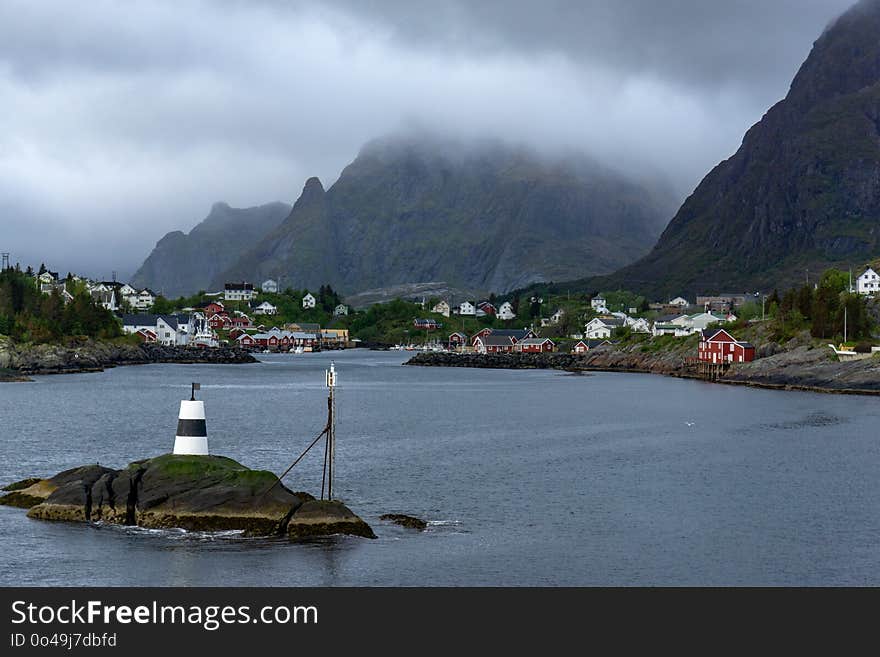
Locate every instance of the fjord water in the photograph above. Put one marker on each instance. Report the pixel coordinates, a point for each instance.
(527, 477)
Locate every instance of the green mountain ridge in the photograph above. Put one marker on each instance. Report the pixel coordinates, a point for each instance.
(801, 194)
(481, 216)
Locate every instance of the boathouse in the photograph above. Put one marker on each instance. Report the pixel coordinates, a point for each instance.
(719, 346)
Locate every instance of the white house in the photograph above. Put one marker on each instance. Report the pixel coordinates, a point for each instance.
(266, 308)
(309, 301)
(142, 300)
(679, 301)
(505, 311)
(556, 317)
(683, 325)
(340, 310)
(269, 286)
(238, 292)
(441, 308)
(597, 303)
(638, 324)
(868, 283)
(169, 329)
(126, 293)
(601, 327)
(467, 308)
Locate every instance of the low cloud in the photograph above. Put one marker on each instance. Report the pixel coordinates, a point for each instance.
(124, 121)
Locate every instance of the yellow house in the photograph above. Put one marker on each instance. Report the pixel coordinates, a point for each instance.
(334, 337)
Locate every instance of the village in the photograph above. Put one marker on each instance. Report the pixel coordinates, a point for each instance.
(266, 319)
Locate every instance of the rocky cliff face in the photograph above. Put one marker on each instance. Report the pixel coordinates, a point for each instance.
(483, 217)
(803, 191)
(182, 264)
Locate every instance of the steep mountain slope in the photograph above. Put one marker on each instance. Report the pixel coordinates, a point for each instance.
(183, 264)
(483, 217)
(803, 191)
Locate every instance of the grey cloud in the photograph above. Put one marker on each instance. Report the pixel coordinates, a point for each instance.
(123, 121)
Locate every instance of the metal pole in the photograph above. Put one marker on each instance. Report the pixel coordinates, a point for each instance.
(330, 448)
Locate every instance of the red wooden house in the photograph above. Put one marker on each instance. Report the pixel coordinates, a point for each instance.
(241, 321)
(146, 335)
(583, 346)
(493, 344)
(719, 346)
(535, 345)
(214, 308)
(457, 340)
(246, 340)
(219, 321)
(514, 334)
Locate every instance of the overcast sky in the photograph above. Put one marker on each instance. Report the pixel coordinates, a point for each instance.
(120, 121)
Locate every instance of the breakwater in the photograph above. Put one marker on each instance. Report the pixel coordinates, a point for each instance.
(95, 356)
(804, 367)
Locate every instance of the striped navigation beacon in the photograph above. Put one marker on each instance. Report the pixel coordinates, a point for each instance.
(192, 434)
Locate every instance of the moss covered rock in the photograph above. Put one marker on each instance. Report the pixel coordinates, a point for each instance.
(207, 493)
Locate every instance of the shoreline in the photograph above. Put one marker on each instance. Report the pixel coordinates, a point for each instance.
(19, 362)
(803, 369)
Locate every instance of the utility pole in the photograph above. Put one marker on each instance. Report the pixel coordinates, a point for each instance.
(763, 299)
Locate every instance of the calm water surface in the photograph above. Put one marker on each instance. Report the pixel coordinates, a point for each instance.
(527, 478)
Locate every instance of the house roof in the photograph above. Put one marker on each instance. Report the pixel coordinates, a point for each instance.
(492, 340)
(305, 326)
(519, 334)
(609, 321)
(239, 286)
(145, 319)
(535, 341)
(708, 334)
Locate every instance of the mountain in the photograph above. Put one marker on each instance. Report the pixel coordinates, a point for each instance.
(479, 216)
(184, 264)
(801, 194)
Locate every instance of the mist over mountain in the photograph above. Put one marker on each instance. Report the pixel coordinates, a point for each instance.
(801, 194)
(185, 263)
(483, 216)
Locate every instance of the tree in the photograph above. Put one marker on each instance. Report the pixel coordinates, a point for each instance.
(162, 306)
(805, 301)
(835, 280)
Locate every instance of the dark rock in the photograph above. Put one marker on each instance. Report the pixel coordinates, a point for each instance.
(207, 493)
(72, 497)
(800, 364)
(405, 521)
(86, 355)
(24, 483)
(20, 496)
(324, 518)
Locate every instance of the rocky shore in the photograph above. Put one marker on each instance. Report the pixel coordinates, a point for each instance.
(95, 356)
(791, 367)
(198, 493)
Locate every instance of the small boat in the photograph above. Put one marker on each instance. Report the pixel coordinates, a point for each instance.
(845, 354)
